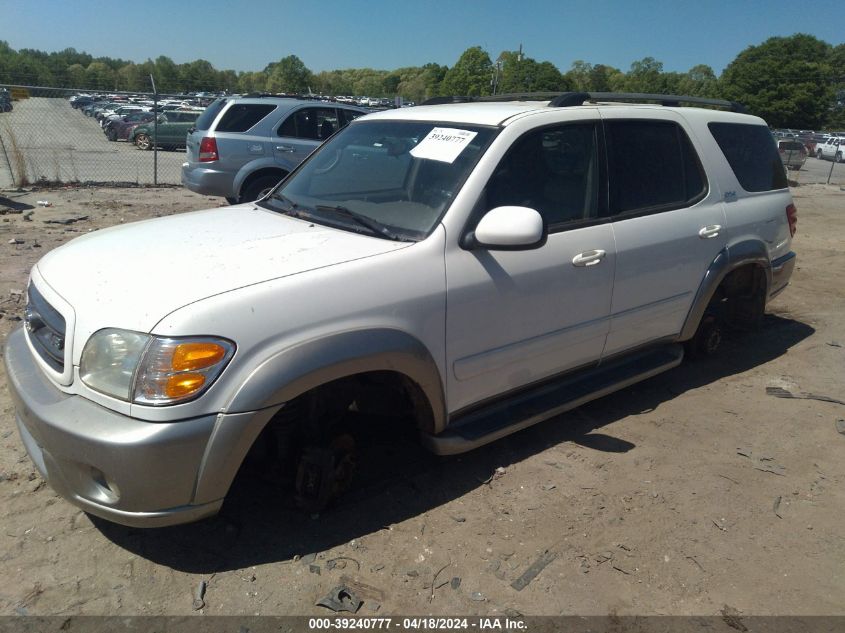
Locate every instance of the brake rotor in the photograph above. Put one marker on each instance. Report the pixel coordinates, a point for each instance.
(324, 472)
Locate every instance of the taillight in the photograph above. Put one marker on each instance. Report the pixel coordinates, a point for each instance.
(792, 218)
(208, 150)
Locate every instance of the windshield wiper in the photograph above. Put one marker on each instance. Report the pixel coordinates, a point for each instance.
(375, 227)
(292, 209)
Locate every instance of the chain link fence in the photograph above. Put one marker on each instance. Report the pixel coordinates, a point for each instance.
(45, 139)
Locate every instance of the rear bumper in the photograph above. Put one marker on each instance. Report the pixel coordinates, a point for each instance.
(125, 470)
(207, 180)
(782, 268)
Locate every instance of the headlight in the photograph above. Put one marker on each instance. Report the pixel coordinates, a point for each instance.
(151, 370)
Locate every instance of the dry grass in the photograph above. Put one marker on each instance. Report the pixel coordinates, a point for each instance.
(15, 156)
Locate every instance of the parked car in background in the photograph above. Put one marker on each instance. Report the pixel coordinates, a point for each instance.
(119, 129)
(793, 153)
(242, 147)
(172, 129)
(832, 149)
(5, 100)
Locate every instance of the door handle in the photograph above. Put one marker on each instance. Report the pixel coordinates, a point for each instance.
(285, 148)
(588, 258)
(708, 232)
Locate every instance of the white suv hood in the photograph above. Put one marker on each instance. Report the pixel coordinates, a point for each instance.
(132, 276)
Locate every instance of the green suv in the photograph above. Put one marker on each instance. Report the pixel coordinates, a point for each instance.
(172, 130)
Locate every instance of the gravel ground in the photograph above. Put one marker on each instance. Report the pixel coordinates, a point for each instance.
(659, 499)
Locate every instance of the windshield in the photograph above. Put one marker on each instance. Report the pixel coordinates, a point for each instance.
(390, 179)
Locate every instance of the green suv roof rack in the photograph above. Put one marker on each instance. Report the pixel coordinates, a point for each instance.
(569, 99)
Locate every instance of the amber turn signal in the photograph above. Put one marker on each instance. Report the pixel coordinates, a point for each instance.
(193, 356)
(182, 385)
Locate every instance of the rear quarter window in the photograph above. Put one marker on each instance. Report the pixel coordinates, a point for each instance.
(242, 116)
(751, 152)
(210, 113)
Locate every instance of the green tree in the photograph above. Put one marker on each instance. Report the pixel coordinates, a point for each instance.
(470, 75)
(785, 80)
(99, 76)
(646, 75)
(289, 74)
(523, 74)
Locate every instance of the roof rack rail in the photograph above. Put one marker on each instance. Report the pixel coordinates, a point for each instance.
(513, 96)
(568, 99)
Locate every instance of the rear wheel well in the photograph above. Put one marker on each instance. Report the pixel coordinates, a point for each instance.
(740, 299)
(266, 172)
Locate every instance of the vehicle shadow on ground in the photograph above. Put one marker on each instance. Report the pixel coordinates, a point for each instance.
(397, 479)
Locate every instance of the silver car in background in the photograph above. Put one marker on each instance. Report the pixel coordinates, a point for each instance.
(242, 147)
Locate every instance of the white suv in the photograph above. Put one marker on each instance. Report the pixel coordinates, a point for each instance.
(483, 266)
(832, 149)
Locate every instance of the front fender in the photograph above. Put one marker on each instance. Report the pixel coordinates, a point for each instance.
(312, 363)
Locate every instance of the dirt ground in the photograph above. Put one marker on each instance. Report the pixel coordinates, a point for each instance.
(695, 492)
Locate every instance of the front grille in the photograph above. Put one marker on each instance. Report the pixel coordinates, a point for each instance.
(46, 329)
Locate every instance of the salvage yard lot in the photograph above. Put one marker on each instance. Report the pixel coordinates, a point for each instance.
(690, 493)
(62, 144)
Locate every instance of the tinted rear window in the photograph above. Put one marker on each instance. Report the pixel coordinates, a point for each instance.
(210, 113)
(653, 167)
(242, 116)
(752, 154)
(791, 146)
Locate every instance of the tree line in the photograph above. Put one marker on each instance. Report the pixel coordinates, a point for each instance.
(796, 81)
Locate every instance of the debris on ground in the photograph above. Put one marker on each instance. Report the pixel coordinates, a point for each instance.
(780, 392)
(66, 221)
(368, 592)
(732, 618)
(315, 569)
(840, 425)
(534, 570)
(307, 559)
(340, 599)
(477, 596)
(455, 583)
(199, 595)
(776, 507)
(16, 240)
(44, 203)
(340, 563)
(760, 462)
(434, 581)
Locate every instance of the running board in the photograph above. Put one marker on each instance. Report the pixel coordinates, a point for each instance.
(502, 418)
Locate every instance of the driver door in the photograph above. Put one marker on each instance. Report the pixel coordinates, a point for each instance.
(518, 317)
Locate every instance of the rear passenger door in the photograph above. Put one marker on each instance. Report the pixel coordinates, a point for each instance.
(668, 224)
(302, 131)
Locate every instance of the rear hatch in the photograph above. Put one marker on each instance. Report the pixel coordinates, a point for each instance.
(201, 127)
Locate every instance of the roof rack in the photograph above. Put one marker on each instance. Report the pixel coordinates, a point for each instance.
(569, 99)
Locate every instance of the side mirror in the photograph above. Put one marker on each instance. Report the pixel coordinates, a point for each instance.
(508, 228)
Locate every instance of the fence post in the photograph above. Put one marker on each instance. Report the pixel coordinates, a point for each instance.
(155, 131)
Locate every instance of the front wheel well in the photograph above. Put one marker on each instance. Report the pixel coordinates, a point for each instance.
(310, 444)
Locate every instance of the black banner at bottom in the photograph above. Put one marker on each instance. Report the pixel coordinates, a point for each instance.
(516, 623)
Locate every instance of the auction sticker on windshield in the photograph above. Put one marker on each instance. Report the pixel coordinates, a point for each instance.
(444, 144)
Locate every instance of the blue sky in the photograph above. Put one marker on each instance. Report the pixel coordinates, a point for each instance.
(329, 34)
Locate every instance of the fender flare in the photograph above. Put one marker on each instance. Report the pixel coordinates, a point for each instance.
(318, 361)
(729, 259)
(294, 371)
